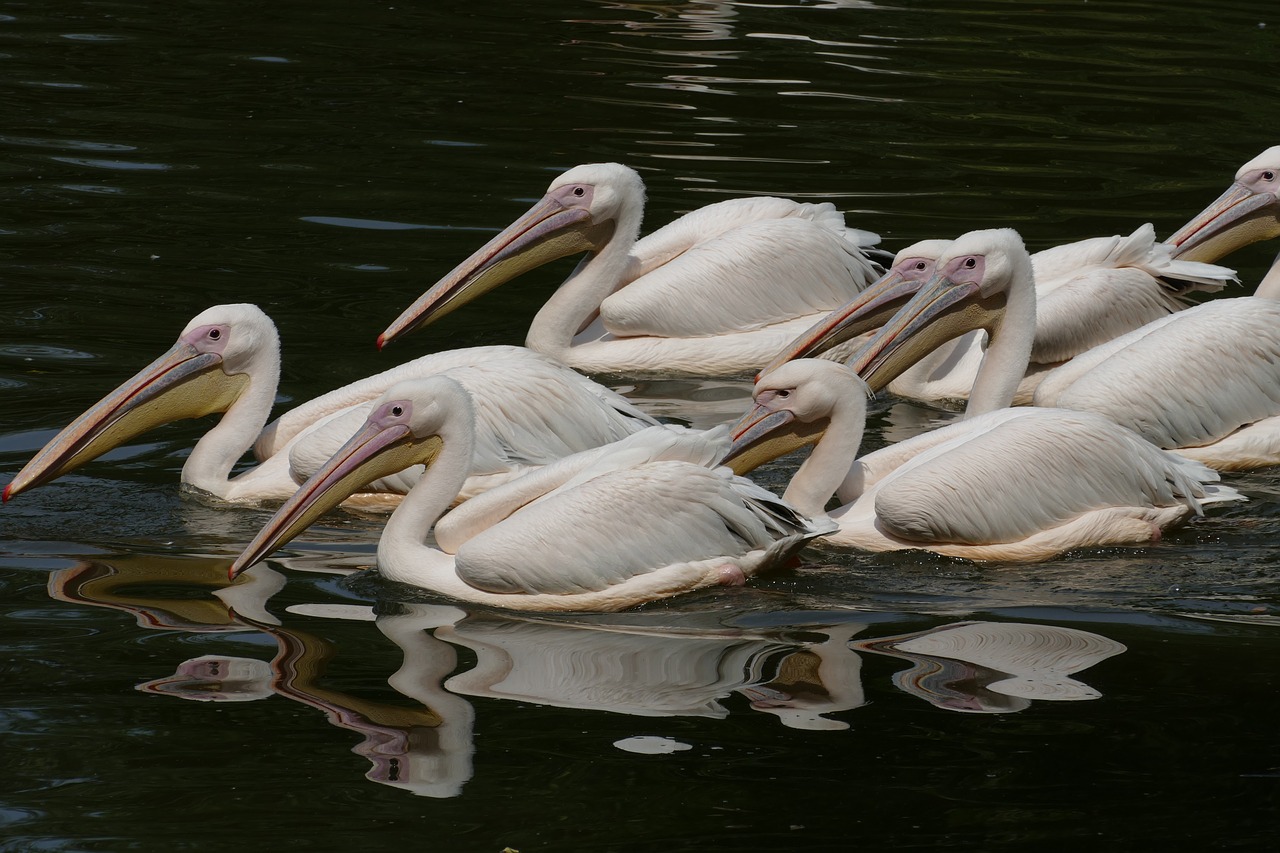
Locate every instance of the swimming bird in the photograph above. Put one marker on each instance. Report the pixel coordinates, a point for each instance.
(1246, 212)
(642, 519)
(1087, 293)
(227, 359)
(1002, 484)
(717, 292)
(1204, 383)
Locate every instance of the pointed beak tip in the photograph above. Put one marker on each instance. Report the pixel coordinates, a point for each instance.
(382, 341)
(8, 493)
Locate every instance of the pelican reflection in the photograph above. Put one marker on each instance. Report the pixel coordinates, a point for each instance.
(806, 671)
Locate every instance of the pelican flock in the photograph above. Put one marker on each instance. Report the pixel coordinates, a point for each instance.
(520, 483)
(1002, 484)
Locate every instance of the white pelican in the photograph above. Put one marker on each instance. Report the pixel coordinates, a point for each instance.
(1248, 211)
(717, 292)
(1087, 293)
(1204, 383)
(1002, 484)
(642, 519)
(227, 359)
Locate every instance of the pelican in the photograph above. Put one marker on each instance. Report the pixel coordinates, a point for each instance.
(1248, 211)
(642, 519)
(1204, 383)
(1002, 484)
(1087, 293)
(227, 360)
(717, 292)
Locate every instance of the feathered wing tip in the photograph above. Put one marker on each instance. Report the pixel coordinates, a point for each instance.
(1198, 484)
(865, 240)
(1141, 250)
(1138, 250)
(778, 515)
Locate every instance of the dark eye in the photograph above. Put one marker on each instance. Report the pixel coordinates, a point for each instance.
(579, 191)
(397, 411)
(920, 265)
(970, 263)
(784, 393)
(215, 334)
(1268, 176)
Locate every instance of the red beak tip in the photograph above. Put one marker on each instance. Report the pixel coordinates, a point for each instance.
(382, 341)
(7, 493)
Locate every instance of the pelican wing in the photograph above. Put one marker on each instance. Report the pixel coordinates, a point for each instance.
(664, 442)
(870, 470)
(515, 373)
(530, 410)
(715, 220)
(1192, 380)
(993, 487)
(746, 278)
(616, 526)
(1093, 290)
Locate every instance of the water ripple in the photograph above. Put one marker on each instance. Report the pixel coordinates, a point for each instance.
(118, 165)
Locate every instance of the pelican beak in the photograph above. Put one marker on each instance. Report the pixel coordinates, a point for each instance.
(185, 382)
(377, 450)
(1238, 217)
(557, 226)
(764, 434)
(943, 309)
(868, 310)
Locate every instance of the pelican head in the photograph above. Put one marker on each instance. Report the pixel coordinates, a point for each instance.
(869, 309)
(970, 289)
(1249, 211)
(579, 213)
(405, 428)
(794, 406)
(205, 372)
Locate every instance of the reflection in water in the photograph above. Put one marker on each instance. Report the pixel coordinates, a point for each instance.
(995, 667)
(802, 673)
(700, 403)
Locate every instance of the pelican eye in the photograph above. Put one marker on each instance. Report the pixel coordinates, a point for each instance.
(215, 334)
(1268, 176)
(920, 265)
(579, 191)
(784, 393)
(397, 411)
(970, 263)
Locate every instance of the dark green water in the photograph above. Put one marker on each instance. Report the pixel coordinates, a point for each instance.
(328, 161)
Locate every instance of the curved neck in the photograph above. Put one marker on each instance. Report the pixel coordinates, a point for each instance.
(403, 551)
(822, 473)
(576, 301)
(1269, 287)
(1009, 351)
(208, 468)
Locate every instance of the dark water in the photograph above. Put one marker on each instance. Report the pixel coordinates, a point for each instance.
(328, 161)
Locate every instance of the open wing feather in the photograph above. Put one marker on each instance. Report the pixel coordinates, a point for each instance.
(746, 278)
